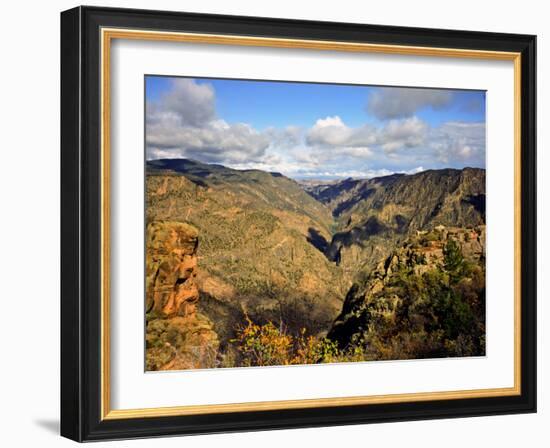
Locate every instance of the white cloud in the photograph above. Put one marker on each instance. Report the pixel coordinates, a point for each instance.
(399, 102)
(186, 104)
(329, 131)
(370, 173)
(183, 123)
(213, 142)
(287, 137)
(356, 173)
(333, 133)
(331, 137)
(456, 141)
(404, 133)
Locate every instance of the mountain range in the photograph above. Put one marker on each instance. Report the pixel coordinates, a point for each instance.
(271, 249)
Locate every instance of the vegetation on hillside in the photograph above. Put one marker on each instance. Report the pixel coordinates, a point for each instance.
(388, 268)
(258, 250)
(269, 345)
(427, 300)
(375, 215)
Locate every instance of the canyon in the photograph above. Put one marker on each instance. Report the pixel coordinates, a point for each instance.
(334, 260)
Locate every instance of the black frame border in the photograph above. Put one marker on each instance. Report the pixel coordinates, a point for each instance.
(81, 223)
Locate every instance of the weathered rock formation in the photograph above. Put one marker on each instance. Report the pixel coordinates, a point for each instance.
(426, 299)
(177, 336)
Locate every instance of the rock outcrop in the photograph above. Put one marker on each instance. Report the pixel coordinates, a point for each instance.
(177, 336)
(426, 299)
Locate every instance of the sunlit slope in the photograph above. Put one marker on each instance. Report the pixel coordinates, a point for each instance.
(261, 244)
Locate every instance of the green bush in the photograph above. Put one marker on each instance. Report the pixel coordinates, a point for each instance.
(437, 313)
(267, 345)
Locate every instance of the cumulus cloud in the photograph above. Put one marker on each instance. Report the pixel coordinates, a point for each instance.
(459, 142)
(399, 102)
(329, 131)
(395, 146)
(183, 123)
(404, 133)
(333, 133)
(214, 142)
(288, 137)
(331, 137)
(186, 104)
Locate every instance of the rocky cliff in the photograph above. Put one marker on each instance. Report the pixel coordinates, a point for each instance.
(375, 215)
(426, 299)
(177, 336)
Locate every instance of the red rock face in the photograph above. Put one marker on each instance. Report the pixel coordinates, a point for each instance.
(171, 269)
(178, 337)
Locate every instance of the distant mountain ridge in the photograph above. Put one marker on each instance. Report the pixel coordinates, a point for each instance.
(341, 196)
(375, 214)
(198, 170)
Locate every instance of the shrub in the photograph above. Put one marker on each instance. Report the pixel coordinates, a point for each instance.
(437, 313)
(453, 260)
(267, 345)
(263, 345)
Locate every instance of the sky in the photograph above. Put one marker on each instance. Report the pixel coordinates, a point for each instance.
(312, 130)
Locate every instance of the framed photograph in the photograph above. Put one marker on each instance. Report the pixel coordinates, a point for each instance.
(273, 223)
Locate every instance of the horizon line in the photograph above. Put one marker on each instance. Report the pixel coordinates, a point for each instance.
(312, 177)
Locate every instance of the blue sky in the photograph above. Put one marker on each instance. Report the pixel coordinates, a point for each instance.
(314, 130)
